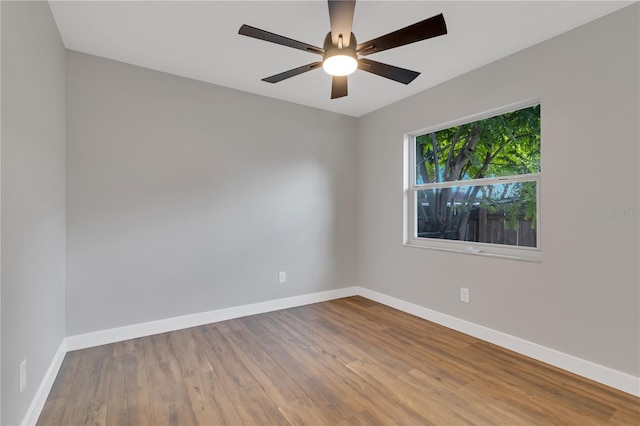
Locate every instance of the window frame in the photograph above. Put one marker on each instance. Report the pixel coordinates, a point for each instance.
(411, 188)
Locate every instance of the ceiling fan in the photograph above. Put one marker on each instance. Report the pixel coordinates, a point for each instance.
(342, 55)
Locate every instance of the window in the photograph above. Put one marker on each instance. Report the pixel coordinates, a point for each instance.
(473, 186)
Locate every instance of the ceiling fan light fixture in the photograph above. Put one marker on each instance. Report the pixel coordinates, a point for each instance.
(340, 60)
(340, 64)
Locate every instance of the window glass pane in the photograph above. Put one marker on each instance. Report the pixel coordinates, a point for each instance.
(497, 214)
(504, 145)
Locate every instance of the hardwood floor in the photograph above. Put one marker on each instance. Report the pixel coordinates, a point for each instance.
(344, 362)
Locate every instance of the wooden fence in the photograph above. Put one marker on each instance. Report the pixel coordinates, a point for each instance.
(485, 226)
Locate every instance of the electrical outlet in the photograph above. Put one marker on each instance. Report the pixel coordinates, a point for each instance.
(282, 277)
(464, 295)
(23, 375)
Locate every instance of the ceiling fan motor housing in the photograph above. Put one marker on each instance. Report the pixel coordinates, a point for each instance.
(331, 49)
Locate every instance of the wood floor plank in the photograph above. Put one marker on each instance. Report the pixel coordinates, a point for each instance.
(128, 347)
(501, 408)
(191, 356)
(423, 330)
(128, 396)
(210, 402)
(379, 343)
(543, 387)
(305, 411)
(625, 417)
(224, 361)
(367, 418)
(62, 384)
(331, 392)
(255, 407)
(228, 326)
(137, 390)
(89, 394)
(452, 396)
(273, 379)
(158, 349)
(138, 408)
(511, 380)
(117, 402)
(433, 411)
(117, 408)
(52, 412)
(168, 397)
(135, 373)
(343, 346)
(350, 361)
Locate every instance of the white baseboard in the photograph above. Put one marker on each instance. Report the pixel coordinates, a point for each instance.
(590, 370)
(112, 335)
(45, 387)
(605, 375)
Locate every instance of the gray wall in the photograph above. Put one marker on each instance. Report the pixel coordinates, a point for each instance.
(583, 299)
(33, 199)
(185, 197)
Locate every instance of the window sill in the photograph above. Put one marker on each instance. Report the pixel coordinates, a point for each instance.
(532, 256)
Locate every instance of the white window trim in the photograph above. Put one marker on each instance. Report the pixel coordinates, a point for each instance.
(529, 254)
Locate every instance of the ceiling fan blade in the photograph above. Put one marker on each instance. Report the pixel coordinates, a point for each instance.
(400, 75)
(341, 19)
(249, 31)
(338, 86)
(431, 27)
(292, 73)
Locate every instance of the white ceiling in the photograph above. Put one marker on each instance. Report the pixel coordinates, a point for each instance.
(199, 40)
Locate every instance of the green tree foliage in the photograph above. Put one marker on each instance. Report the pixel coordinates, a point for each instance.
(504, 145)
